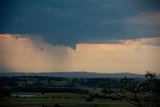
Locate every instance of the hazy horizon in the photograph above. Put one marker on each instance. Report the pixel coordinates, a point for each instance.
(107, 72)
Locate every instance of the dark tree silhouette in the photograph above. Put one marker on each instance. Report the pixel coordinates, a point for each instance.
(150, 75)
(139, 88)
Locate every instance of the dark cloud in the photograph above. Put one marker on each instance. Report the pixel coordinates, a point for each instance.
(67, 22)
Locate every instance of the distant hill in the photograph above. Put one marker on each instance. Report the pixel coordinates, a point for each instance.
(75, 74)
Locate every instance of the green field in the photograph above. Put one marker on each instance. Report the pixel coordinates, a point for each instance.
(40, 91)
(64, 99)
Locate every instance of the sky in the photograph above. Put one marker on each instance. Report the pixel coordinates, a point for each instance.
(80, 35)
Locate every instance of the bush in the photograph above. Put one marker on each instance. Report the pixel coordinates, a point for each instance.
(89, 99)
(44, 105)
(94, 105)
(57, 105)
(42, 93)
(66, 97)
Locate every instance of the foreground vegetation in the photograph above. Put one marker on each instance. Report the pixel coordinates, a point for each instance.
(38, 91)
(61, 99)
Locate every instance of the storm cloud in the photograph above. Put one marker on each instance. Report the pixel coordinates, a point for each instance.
(69, 22)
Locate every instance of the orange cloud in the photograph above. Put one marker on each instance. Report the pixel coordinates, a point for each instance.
(18, 53)
(24, 54)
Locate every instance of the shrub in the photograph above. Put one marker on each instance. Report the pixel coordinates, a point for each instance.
(53, 97)
(57, 105)
(94, 105)
(66, 97)
(89, 99)
(44, 105)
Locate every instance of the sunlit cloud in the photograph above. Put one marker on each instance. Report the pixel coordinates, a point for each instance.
(20, 53)
(138, 41)
(23, 54)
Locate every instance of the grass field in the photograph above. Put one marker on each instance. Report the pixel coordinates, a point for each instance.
(38, 91)
(64, 99)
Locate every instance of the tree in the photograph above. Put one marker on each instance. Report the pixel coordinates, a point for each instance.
(139, 88)
(150, 75)
(154, 86)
